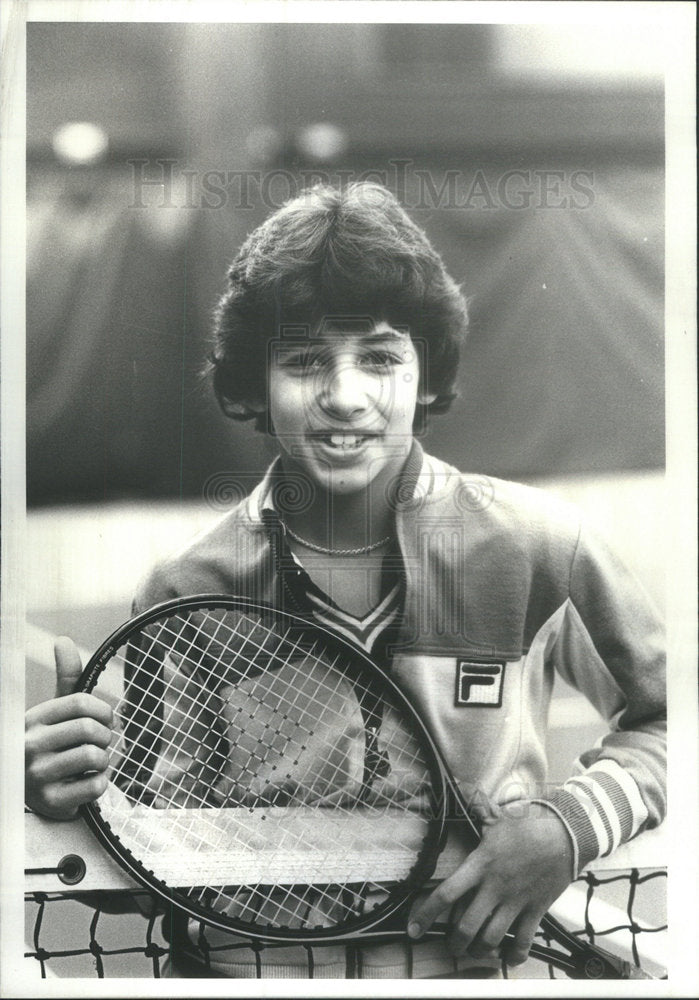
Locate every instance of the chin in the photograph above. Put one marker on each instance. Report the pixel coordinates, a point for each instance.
(346, 482)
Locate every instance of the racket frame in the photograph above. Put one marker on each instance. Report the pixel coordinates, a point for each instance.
(445, 800)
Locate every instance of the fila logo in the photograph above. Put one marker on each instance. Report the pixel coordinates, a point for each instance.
(479, 684)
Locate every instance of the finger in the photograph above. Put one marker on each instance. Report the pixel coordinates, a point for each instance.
(488, 941)
(62, 799)
(68, 665)
(455, 916)
(49, 768)
(78, 732)
(471, 921)
(522, 936)
(72, 706)
(426, 911)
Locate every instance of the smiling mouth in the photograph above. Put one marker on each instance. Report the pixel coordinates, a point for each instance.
(344, 440)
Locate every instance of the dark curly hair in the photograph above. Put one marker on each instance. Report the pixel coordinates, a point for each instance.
(330, 252)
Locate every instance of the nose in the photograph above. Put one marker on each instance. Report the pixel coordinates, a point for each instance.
(343, 390)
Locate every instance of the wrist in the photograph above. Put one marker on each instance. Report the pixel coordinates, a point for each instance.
(563, 837)
(565, 809)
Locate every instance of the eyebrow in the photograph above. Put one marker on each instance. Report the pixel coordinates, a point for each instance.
(381, 335)
(375, 337)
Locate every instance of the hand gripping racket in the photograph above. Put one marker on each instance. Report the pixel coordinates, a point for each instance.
(268, 779)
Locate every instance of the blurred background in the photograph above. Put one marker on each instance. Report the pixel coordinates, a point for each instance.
(532, 155)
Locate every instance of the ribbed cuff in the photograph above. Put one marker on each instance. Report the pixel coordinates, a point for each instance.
(581, 832)
(600, 808)
(571, 836)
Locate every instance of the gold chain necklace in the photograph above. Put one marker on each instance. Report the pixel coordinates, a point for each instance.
(336, 552)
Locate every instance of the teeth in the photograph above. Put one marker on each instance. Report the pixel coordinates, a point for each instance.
(344, 440)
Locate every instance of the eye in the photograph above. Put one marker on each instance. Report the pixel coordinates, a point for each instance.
(380, 359)
(301, 361)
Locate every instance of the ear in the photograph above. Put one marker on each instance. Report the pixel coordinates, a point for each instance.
(241, 411)
(255, 406)
(425, 398)
(251, 406)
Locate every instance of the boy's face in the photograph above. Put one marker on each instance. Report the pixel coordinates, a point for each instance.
(342, 405)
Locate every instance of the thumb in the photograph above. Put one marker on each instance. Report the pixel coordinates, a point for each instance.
(68, 665)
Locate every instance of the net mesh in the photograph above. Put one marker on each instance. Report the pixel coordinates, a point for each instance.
(622, 911)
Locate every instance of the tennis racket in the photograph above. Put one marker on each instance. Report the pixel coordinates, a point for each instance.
(268, 779)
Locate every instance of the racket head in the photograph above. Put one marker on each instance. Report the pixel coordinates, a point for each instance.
(244, 784)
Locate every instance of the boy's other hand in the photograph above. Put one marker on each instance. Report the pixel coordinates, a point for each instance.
(506, 884)
(65, 743)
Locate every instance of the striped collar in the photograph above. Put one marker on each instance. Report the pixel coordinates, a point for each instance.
(362, 630)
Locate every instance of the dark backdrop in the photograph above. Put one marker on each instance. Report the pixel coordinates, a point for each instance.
(545, 199)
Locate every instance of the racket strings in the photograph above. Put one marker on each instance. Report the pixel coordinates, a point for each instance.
(203, 704)
(331, 691)
(300, 907)
(175, 787)
(261, 757)
(208, 673)
(261, 750)
(188, 672)
(140, 712)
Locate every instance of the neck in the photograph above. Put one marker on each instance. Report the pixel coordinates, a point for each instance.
(344, 521)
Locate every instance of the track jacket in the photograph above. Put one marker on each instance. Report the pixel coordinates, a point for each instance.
(503, 588)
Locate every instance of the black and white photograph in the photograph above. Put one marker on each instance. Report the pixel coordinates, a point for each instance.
(348, 499)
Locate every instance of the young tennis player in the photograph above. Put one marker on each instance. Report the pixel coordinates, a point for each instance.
(338, 335)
